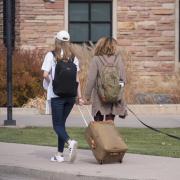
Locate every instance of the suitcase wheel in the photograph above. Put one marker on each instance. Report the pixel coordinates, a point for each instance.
(101, 162)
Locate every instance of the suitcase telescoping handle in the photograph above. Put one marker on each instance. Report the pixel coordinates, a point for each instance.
(93, 145)
(83, 117)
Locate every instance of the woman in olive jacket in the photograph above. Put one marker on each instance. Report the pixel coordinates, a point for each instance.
(105, 48)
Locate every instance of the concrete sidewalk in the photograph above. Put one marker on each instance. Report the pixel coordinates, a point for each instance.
(159, 116)
(32, 162)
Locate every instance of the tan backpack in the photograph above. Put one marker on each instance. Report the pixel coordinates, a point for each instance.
(108, 82)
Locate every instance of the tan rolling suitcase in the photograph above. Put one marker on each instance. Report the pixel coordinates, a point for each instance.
(105, 142)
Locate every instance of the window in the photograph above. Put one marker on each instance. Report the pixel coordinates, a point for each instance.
(89, 20)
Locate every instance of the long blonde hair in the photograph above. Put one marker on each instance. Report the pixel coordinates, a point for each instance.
(64, 46)
(105, 46)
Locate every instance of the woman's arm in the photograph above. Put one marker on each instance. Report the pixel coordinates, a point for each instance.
(47, 65)
(79, 94)
(91, 80)
(122, 70)
(79, 86)
(46, 76)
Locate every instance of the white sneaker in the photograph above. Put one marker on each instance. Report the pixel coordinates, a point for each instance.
(72, 148)
(57, 158)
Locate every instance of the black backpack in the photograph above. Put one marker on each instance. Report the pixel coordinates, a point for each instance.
(64, 83)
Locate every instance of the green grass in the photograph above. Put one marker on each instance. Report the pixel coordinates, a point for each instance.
(139, 140)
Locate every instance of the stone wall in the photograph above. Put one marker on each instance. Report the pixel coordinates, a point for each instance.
(1, 19)
(38, 21)
(147, 29)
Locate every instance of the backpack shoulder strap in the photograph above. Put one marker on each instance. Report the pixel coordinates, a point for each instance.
(116, 60)
(54, 57)
(72, 59)
(53, 52)
(105, 63)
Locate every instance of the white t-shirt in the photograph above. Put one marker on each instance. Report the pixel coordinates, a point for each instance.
(49, 65)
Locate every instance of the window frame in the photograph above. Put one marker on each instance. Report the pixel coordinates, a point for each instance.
(89, 22)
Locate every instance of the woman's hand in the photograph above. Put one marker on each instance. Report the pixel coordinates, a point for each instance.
(80, 101)
(87, 102)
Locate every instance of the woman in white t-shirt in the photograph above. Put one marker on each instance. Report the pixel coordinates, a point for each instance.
(60, 106)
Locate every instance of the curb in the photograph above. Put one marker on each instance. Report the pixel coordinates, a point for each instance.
(148, 109)
(156, 108)
(49, 175)
(20, 111)
(137, 108)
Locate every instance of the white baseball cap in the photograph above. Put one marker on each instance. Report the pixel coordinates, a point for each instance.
(63, 36)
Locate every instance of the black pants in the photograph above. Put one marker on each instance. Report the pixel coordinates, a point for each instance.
(100, 117)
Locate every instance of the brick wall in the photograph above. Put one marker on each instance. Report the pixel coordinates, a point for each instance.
(147, 29)
(38, 21)
(1, 19)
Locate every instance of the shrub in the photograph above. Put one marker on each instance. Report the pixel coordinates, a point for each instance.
(27, 76)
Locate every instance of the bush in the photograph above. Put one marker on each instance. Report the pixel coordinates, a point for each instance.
(27, 76)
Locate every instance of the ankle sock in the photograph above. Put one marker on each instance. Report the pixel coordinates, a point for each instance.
(69, 141)
(59, 154)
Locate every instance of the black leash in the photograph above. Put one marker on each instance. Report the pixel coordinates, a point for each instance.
(152, 128)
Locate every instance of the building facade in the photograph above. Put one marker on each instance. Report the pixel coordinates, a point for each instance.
(149, 29)
(1, 19)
